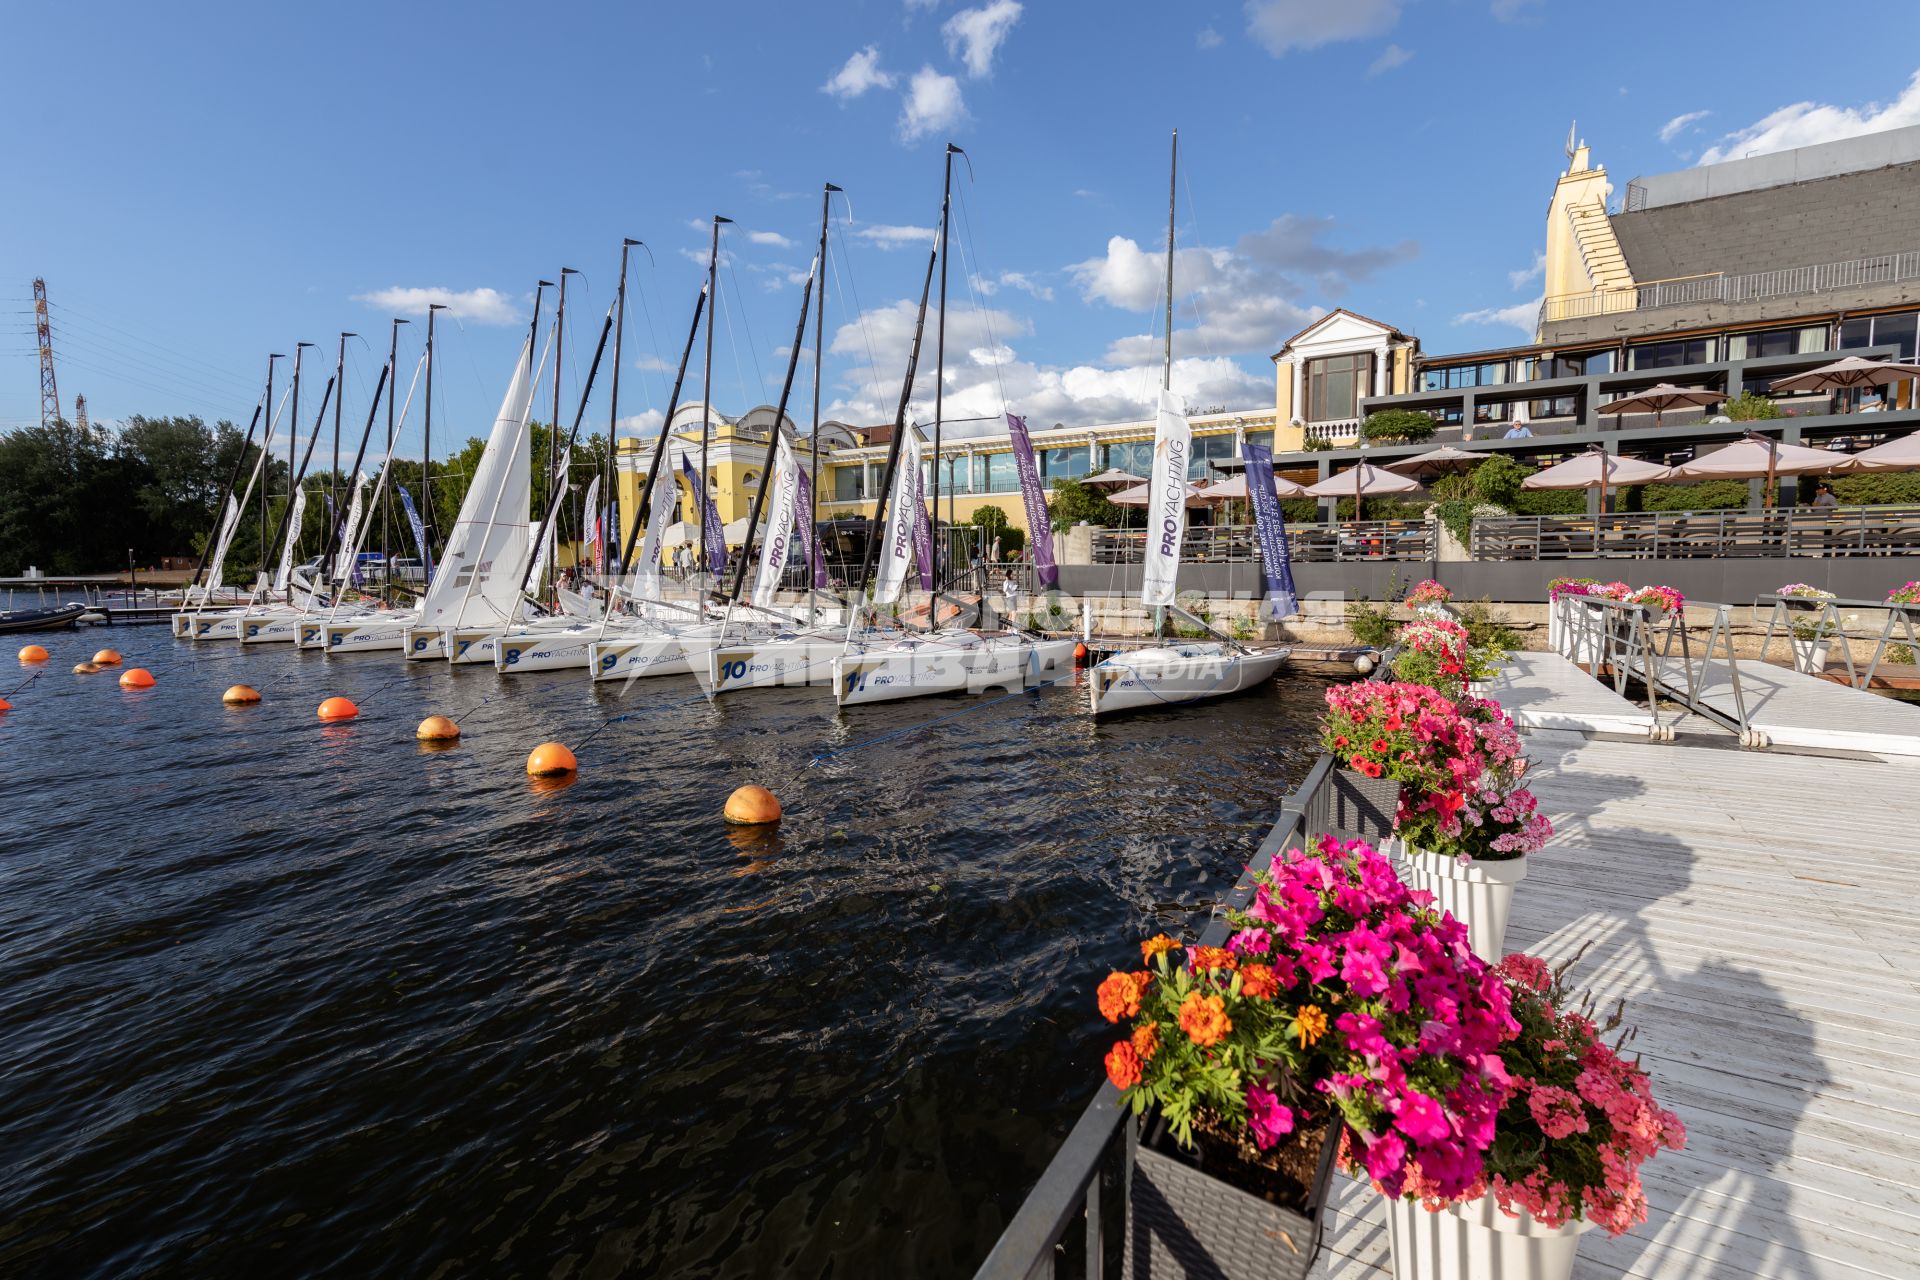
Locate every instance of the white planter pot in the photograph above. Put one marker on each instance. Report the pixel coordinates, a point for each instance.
(1576, 630)
(1811, 655)
(1478, 895)
(1476, 1241)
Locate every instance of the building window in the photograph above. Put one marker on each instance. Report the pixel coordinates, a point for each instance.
(1454, 376)
(1068, 463)
(1335, 385)
(1262, 438)
(1135, 457)
(849, 483)
(1574, 364)
(1882, 331)
(1208, 450)
(1002, 475)
(1671, 355)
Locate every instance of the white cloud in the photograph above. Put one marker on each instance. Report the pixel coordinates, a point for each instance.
(1208, 38)
(1521, 315)
(932, 104)
(1390, 57)
(1806, 123)
(482, 306)
(647, 362)
(1671, 129)
(882, 236)
(860, 73)
(1520, 279)
(642, 424)
(1515, 10)
(698, 257)
(913, 5)
(975, 35)
(1020, 280)
(1280, 25)
(773, 238)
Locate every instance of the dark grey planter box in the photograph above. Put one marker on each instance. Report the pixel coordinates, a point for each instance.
(1185, 1224)
(1359, 806)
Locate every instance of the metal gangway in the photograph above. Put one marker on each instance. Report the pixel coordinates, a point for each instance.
(1813, 624)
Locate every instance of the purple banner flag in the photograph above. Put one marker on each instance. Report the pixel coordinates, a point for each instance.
(922, 532)
(1039, 524)
(1271, 525)
(712, 531)
(809, 535)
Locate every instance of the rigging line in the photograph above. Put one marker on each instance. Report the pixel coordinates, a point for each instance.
(211, 407)
(1193, 296)
(85, 317)
(966, 263)
(739, 370)
(851, 289)
(107, 350)
(753, 346)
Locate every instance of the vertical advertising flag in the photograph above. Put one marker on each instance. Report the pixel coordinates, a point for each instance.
(713, 534)
(809, 535)
(922, 531)
(778, 540)
(896, 548)
(419, 530)
(1166, 502)
(1270, 525)
(1039, 523)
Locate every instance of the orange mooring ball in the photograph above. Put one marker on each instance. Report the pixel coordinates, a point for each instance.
(437, 729)
(136, 678)
(108, 657)
(5, 705)
(1080, 654)
(240, 695)
(338, 709)
(32, 653)
(85, 668)
(551, 760)
(750, 806)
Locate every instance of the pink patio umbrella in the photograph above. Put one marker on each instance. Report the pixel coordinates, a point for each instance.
(1446, 460)
(1236, 489)
(1895, 455)
(1113, 478)
(1597, 469)
(1661, 397)
(1847, 373)
(1758, 456)
(1141, 495)
(1360, 481)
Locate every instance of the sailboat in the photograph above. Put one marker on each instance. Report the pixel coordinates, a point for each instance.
(226, 518)
(1192, 671)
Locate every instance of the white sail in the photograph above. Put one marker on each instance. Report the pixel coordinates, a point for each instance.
(782, 503)
(590, 506)
(293, 535)
(666, 503)
(896, 548)
(478, 578)
(1166, 502)
(349, 553)
(219, 560)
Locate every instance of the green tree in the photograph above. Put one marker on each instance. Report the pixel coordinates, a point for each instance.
(991, 518)
(1074, 502)
(1397, 425)
(1750, 407)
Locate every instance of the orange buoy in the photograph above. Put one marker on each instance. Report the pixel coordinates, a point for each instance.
(551, 760)
(751, 805)
(338, 709)
(32, 653)
(136, 678)
(5, 705)
(240, 695)
(107, 657)
(1080, 654)
(85, 668)
(437, 729)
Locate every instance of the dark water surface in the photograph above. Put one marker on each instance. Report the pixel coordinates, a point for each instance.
(282, 998)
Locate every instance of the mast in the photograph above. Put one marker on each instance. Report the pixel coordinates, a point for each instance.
(268, 476)
(819, 341)
(339, 380)
(294, 479)
(780, 412)
(220, 509)
(386, 506)
(1173, 179)
(642, 508)
(293, 436)
(388, 375)
(556, 494)
(554, 483)
(613, 405)
(940, 367)
(426, 448)
(875, 531)
(706, 389)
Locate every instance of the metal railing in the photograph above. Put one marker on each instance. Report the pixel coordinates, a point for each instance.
(1395, 540)
(1066, 1221)
(1647, 535)
(1854, 273)
(1619, 640)
(1812, 626)
(1333, 432)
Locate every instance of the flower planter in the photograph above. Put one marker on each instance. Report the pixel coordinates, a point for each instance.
(1186, 1222)
(1363, 807)
(1811, 655)
(1475, 1241)
(1479, 895)
(1575, 629)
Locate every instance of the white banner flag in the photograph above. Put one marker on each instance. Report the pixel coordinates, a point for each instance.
(1166, 502)
(666, 503)
(349, 553)
(896, 550)
(591, 510)
(293, 536)
(777, 542)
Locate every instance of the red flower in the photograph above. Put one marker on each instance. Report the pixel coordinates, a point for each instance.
(1123, 1065)
(1146, 1041)
(1213, 958)
(1204, 1019)
(1120, 995)
(1257, 981)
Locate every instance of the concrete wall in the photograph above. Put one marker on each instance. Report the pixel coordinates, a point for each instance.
(1823, 160)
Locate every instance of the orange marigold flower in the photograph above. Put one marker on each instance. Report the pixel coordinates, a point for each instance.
(1214, 958)
(1146, 1041)
(1257, 981)
(1309, 1023)
(1123, 1065)
(1120, 994)
(1204, 1019)
(1159, 944)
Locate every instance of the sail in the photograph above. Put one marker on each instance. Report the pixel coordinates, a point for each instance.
(903, 514)
(219, 559)
(349, 555)
(592, 505)
(1167, 502)
(556, 484)
(784, 503)
(479, 575)
(293, 536)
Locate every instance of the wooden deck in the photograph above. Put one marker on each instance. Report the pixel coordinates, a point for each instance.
(1753, 908)
(1547, 691)
(1794, 709)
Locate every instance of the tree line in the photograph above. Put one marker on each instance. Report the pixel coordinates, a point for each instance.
(76, 501)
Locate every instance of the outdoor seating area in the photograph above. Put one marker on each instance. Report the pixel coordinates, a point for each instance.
(1645, 535)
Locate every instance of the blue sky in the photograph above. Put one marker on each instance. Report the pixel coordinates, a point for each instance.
(199, 190)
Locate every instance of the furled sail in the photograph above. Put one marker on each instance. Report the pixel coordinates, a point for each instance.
(1167, 501)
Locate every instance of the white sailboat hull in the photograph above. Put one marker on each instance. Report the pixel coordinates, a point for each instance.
(214, 626)
(776, 661)
(1174, 675)
(373, 634)
(922, 668)
(544, 650)
(424, 643)
(269, 628)
(678, 652)
(469, 646)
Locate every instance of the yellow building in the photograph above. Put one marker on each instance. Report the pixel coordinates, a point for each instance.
(1323, 372)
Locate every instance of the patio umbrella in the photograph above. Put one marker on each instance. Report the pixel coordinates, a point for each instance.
(1597, 469)
(1361, 480)
(1846, 373)
(1141, 495)
(1759, 456)
(1895, 455)
(1113, 478)
(1446, 460)
(1236, 489)
(678, 534)
(1661, 397)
